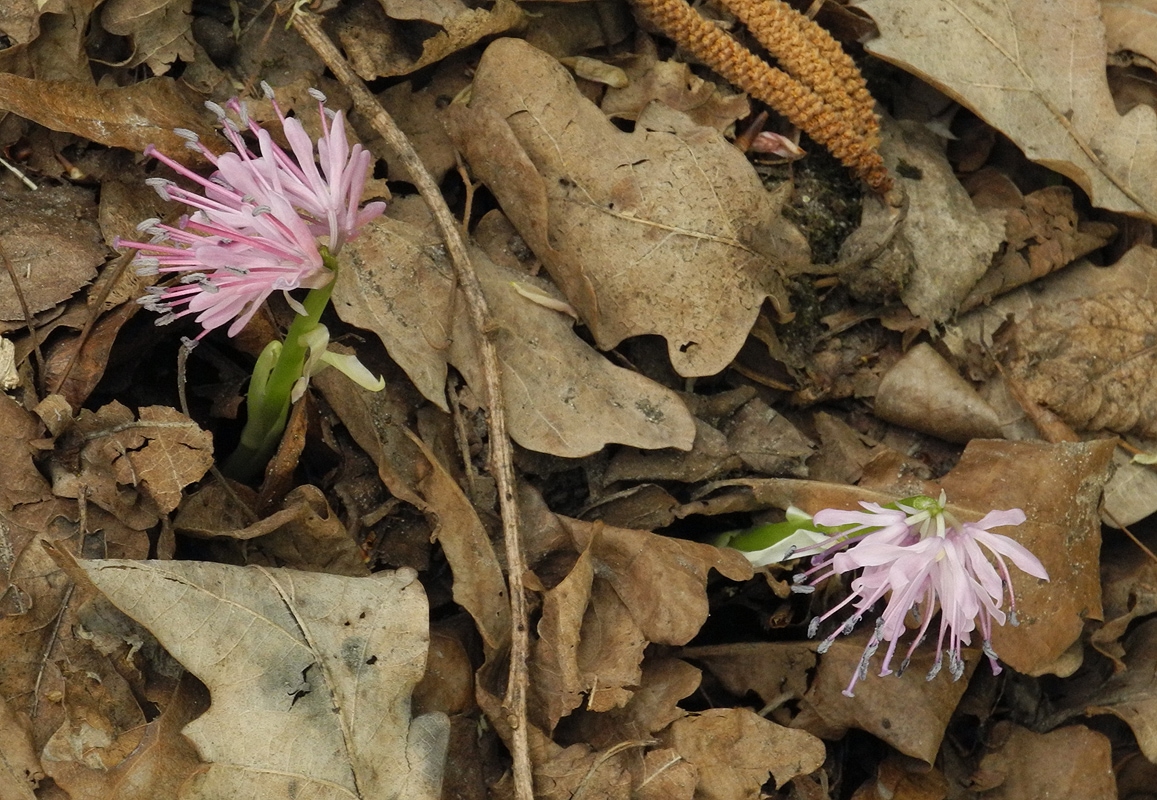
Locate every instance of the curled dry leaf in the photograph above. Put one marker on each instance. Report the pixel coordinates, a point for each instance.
(951, 242)
(378, 47)
(1051, 60)
(321, 665)
(131, 117)
(51, 239)
(563, 398)
(735, 750)
(160, 30)
(666, 230)
(1069, 762)
(673, 84)
(1131, 695)
(909, 713)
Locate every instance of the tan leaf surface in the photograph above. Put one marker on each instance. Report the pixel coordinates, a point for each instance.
(661, 580)
(51, 238)
(951, 241)
(735, 750)
(563, 398)
(161, 30)
(666, 230)
(20, 769)
(1069, 762)
(909, 713)
(1036, 72)
(1132, 695)
(131, 117)
(322, 665)
(379, 47)
(675, 85)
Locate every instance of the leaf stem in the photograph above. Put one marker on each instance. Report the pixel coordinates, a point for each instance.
(270, 388)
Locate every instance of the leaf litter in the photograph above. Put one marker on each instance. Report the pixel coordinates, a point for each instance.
(673, 364)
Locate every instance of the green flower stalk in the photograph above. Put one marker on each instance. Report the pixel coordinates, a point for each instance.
(265, 221)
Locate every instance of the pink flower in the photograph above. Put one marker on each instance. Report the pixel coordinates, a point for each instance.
(925, 562)
(257, 220)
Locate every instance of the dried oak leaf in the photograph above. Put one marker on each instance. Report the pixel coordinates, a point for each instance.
(909, 713)
(561, 396)
(160, 30)
(155, 456)
(666, 230)
(1035, 72)
(1068, 762)
(322, 665)
(383, 46)
(1091, 360)
(1043, 233)
(675, 85)
(52, 241)
(20, 769)
(952, 242)
(1132, 695)
(160, 761)
(131, 117)
(735, 750)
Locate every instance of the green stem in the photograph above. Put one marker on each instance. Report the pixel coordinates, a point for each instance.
(268, 410)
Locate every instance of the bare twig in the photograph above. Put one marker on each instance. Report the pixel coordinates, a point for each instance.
(502, 464)
(28, 318)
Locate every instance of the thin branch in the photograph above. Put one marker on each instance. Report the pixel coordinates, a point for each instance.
(501, 453)
(28, 318)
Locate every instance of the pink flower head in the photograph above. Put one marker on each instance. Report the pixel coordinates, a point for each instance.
(256, 223)
(925, 562)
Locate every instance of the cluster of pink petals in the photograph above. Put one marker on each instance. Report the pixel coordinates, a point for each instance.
(911, 557)
(257, 223)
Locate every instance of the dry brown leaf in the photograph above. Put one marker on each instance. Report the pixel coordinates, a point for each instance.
(322, 665)
(676, 86)
(304, 533)
(160, 30)
(661, 580)
(162, 760)
(1044, 233)
(924, 392)
(665, 230)
(51, 239)
(580, 771)
(1091, 360)
(555, 678)
(776, 671)
(74, 365)
(1132, 695)
(124, 460)
(909, 713)
(1130, 588)
(1128, 28)
(20, 769)
(735, 750)
(1069, 762)
(664, 775)
(563, 398)
(131, 117)
(378, 47)
(1036, 72)
(952, 242)
(652, 707)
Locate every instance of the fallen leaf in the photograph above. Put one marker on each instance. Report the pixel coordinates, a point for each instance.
(1052, 61)
(951, 242)
(686, 248)
(51, 239)
(131, 117)
(735, 750)
(378, 47)
(1131, 695)
(323, 665)
(160, 30)
(1069, 762)
(908, 712)
(20, 770)
(676, 86)
(561, 396)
